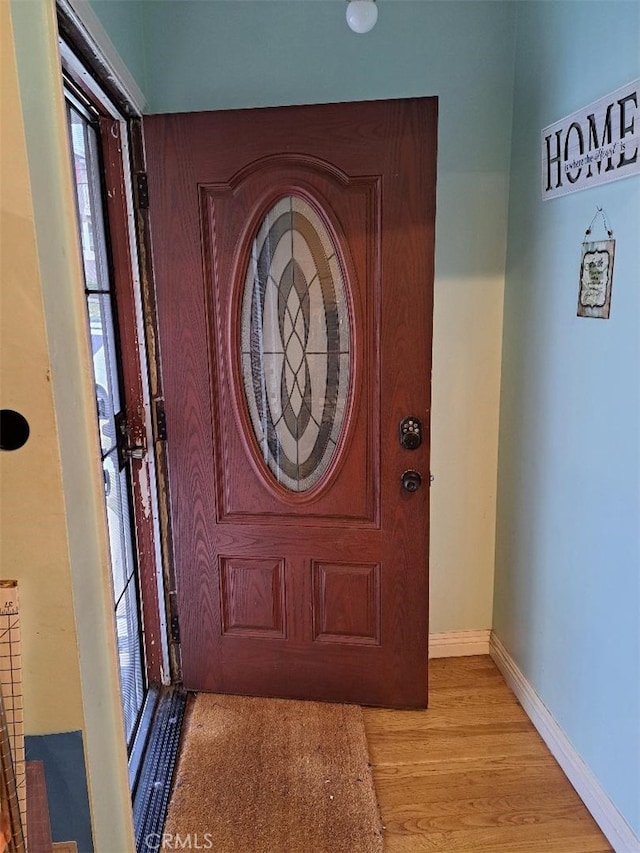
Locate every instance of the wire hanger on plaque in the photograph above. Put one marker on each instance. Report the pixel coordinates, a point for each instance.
(600, 212)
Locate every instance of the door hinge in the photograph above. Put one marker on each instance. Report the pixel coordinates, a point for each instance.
(142, 191)
(129, 447)
(175, 628)
(161, 420)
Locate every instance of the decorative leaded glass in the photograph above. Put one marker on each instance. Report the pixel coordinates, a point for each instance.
(295, 343)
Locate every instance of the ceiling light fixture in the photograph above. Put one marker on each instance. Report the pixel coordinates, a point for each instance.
(362, 15)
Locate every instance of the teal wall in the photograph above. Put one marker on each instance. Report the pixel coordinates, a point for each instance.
(227, 54)
(124, 24)
(567, 586)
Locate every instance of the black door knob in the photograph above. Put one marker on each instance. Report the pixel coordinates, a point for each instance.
(411, 481)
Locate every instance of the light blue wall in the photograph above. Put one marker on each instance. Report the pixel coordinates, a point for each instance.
(123, 22)
(227, 54)
(567, 586)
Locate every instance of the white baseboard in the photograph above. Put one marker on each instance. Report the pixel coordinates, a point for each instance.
(618, 832)
(455, 644)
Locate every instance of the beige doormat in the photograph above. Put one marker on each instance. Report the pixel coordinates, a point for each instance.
(273, 776)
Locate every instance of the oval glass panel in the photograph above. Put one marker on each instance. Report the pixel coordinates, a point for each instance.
(295, 341)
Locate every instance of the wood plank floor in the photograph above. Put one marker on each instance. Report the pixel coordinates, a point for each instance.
(471, 774)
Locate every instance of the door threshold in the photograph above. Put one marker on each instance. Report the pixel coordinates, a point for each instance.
(156, 757)
(141, 737)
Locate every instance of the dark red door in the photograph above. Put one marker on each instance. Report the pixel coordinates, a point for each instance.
(293, 253)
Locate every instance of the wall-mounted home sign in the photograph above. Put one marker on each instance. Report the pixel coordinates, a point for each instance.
(594, 145)
(596, 273)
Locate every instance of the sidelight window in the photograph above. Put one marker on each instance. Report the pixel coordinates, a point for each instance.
(105, 360)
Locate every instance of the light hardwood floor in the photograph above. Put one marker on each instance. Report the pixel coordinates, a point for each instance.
(471, 774)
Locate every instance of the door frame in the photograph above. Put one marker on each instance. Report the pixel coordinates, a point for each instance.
(119, 130)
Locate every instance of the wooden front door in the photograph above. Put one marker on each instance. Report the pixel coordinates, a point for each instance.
(293, 253)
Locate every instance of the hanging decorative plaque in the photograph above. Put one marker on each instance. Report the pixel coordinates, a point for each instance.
(596, 273)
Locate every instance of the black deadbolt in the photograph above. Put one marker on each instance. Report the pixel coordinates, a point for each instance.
(410, 433)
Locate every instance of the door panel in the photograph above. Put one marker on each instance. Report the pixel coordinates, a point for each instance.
(293, 253)
(346, 603)
(234, 216)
